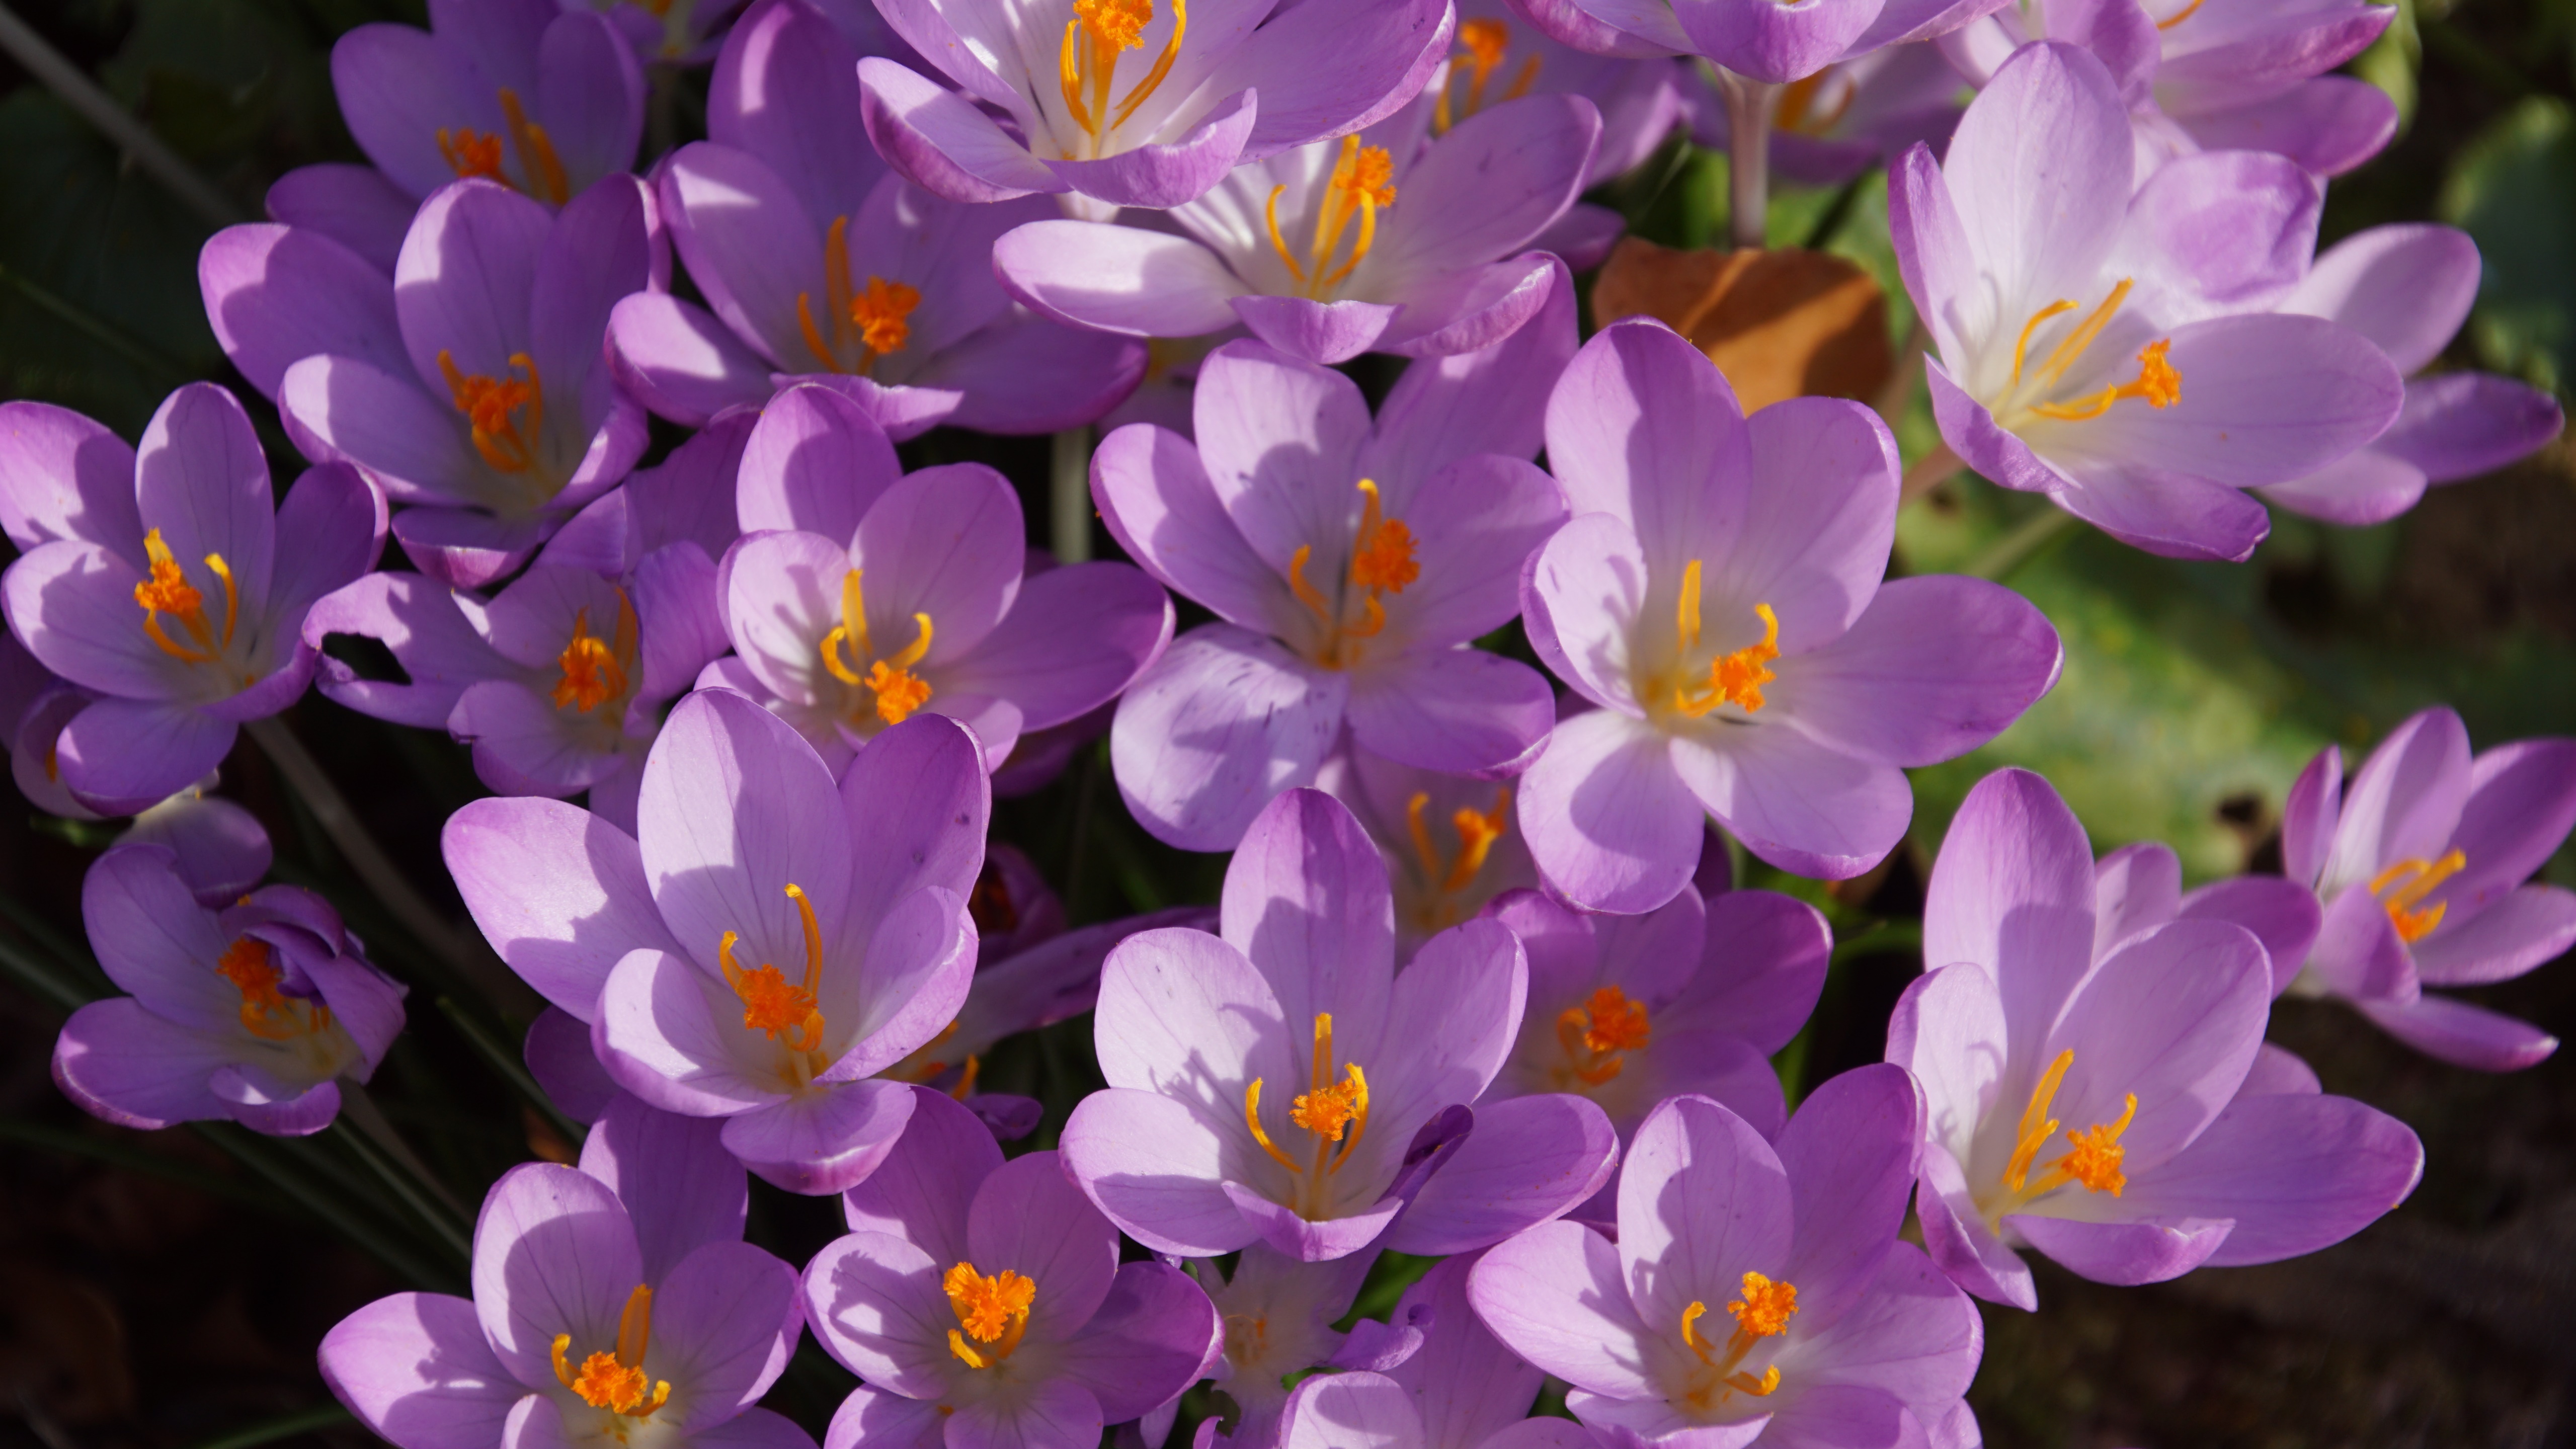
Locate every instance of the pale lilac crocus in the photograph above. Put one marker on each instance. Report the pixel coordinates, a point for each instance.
(1719, 596)
(1692, 997)
(1278, 1313)
(470, 386)
(1116, 103)
(765, 944)
(1757, 1292)
(2424, 865)
(612, 1302)
(817, 264)
(518, 92)
(252, 1013)
(2139, 887)
(1451, 842)
(860, 596)
(2104, 1109)
(1460, 1389)
(1391, 239)
(169, 582)
(2408, 288)
(1349, 560)
(984, 1305)
(2237, 77)
(2122, 354)
(1850, 116)
(1281, 1082)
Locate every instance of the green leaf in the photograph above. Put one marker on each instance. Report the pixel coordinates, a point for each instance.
(2514, 190)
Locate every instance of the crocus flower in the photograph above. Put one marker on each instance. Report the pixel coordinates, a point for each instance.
(1278, 1313)
(816, 264)
(611, 1302)
(1719, 596)
(983, 1303)
(2138, 887)
(1461, 1389)
(2099, 1110)
(1839, 1332)
(170, 582)
(468, 386)
(1755, 41)
(2424, 865)
(2408, 288)
(765, 944)
(1131, 103)
(1299, 990)
(252, 1013)
(1349, 561)
(1451, 843)
(861, 596)
(1500, 56)
(1850, 116)
(2120, 354)
(1388, 240)
(1693, 997)
(2250, 77)
(518, 92)
(35, 704)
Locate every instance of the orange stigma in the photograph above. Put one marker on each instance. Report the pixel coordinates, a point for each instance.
(788, 1014)
(616, 1381)
(1087, 64)
(2402, 885)
(594, 670)
(1598, 1035)
(168, 591)
(877, 319)
(890, 682)
(1446, 878)
(507, 414)
(1382, 562)
(2092, 1158)
(1327, 1110)
(267, 1012)
(991, 1310)
(1763, 1312)
(1735, 678)
(2158, 383)
(469, 152)
(1362, 185)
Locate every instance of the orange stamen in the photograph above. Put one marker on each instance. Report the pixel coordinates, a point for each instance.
(506, 414)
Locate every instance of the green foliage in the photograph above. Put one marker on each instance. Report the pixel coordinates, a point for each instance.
(2514, 189)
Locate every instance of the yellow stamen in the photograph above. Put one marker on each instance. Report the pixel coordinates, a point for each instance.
(266, 1011)
(1382, 551)
(1796, 109)
(593, 671)
(1477, 832)
(1765, 1308)
(966, 1078)
(897, 691)
(2157, 383)
(1327, 1110)
(537, 161)
(616, 1381)
(877, 320)
(507, 414)
(787, 1014)
(168, 591)
(2093, 1154)
(1763, 1312)
(1382, 562)
(2021, 348)
(1735, 678)
(2408, 881)
(1363, 182)
(879, 315)
(1087, 62)
(1597, 1035)
(469, 152)
(987, 1308)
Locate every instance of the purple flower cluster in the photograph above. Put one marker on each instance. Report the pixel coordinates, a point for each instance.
(1480, 984)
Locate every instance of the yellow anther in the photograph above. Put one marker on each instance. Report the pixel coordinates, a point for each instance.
(167, 591)
(1327, 1110)
(506, 414)
(989, 1308)
(1382, 550)
(1362, 183)
(898, 691)
(2036, 1125)
(2179, 16)
(879, 315)
(469, 152)
(2158, 383)
(2092, 1159)
(1765, 1309)
(266, 1011)
(1087, 62)
(616, 1381)
(890, 682)
(1763, 1312)
(2407, 882)
(1382, 562)
(2095, 1156)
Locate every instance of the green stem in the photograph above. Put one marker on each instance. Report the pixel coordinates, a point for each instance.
(115, 1153)
(1748, 159)
(41, 978)
(66, 80)
(268, 1431)
(98, 329)
(1069, 496)
(2019, 546)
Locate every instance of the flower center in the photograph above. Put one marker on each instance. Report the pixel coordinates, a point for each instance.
(1382, 562)
(469, 152)
(991, 1310)
(877, 319)
(787, 1014)
(1088, 61)
(890, 680)
(1448, 877)
(267, 1012)
(1763, 1312)
(595, 670)
(2408, 881)
(1796, 108)
(1327, 1110)
(616, 1381)
(2158, 384)
(506, 413)
(1363, 181)
(2092, 1158)
(1599, 1034)
(169, 592)
(1735, 678)
(1481, 46)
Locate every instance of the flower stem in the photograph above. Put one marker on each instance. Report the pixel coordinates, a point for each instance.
(2021, 545)
(362, 1110)
(1926, 473)
(304, 775)
(1069, 496)
(1748, 156)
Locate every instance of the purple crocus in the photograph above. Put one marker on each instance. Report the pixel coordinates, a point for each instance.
(1392, 239)
(611, 1302)
(1116, 103)
(2139, 887)
(983, 1303)
(469, 386)
(2122, 354)
(1719, 597)
(1299, 991)
(1349, 562)
(524, 93)
(816, 264)
(1451, 842)
(2238, 77)
(765, 944)
(250, 1013)
(1693, 997)
(1840, 1333)
(1278, 1313)
(168, 581)
(2104, 1109)
(1755, 41)
(1850, 116)
(2408, 288)
(2424, 867)
(860, 596)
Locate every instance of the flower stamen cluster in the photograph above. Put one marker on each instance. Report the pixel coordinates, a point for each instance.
(616, 1381)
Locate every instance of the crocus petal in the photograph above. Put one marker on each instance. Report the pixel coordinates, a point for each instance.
(680, 361)
(559, 1056)
(1350, 1411)
(1306, 900)
(1796, 800)
(467, 277)
(1481, 516)
(874, 1303)
(1557, 1296)
(1154, 1166)
(2172, 1018)
(1458, 711)
(553, 1253)
(1604, 818)
(1155, 1333)
(1051, 1413)
(2521, 805)
(1957, 1238)
(825, 1140)
(2463, 1035)
(1529, 1160)
(916, 804)
(1075, 637)
(1702, 1198)
(1182, 1014)
(681, 1188)
(2463, 424)
(2042, 166)
(1029, 1216)
(1642, 426)
(202, 482)
(725, 1321)
(2367, 486)
(1851, 1154)
(1223, 722)
(2525, 929)
(939, 542)
(2014, 882)
(416, 1369)
(2282, 914)
(2405, 288)
(1914, 1335)
(883, 1420)
(787, 82)
(357, 206)
(383, 422)
(64, 477)
(1154, 495)
(1320, 332)
(937, 140)
(123, 1064)
(558, 892)
(153, 940)
(2328, 124)
(277, 294)
(2126, 1253)
(1773, 43)
(397, 87)
(119, 756)
(1280, 438)
(1117, 278)
(2404, 802)
(1581, 596)
(1390, 50)
(758, 1429)
(2358, 954)
(1493, 400)
(2310, 816)
(2296, 1172)
(1932, 669)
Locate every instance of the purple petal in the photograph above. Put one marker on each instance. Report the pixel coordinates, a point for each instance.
(2282, 914)
(2358, 954)
(1154, 1167)
(2463, 1035)
(1493, 182)
(398, 87)
(1117, 278)
(1796, 801)
(1914, 1335)
(1029, 1216)
(2040, 170)
(553, 1253)
(915, 804)
(1075, 637)
(1582, 594)
(728, 1318)
(120, 756)
(681, 1188)
(944, 542)
(678, 360)
(815, 463)
(1493, 400)
(923, 1190)
(874, 1303)
(823, 1141)
(559, 1056)
(754, 1429)
(2012, 892)
(2265, 399)
(357, 206)
(1760, 971)
(1324, 333)
(590, 96)
(885, 1421)
(64, 477)
(2173, 1019)
(2521, 805)
(1350, 1411)
(1530, 1160)
(1154, 1335)
(2520, 932)
(2125, 1253)
(1280, 438)
(276, 294)
(936, 139)
(785, 89)
(384, 422)
(1957, 1238)
(1644, 427)
(1154, 495)
(1208, 734)
(2328, 124)
(415, 1368)
(2464, 424)
(2405, 288)
(2296, 1172)
(1480, 518)
(1773, 43)
(1458, 711)
(1307, 902)
(748, 244)
(1557, 1296)
(1388, 51)
(2405, 801)
(1932, 669)
(467, 278)
(2366, 487)
(1702, 1199)
(202, 483)
(561, 894)
(1604, 819)
(2310, 816)
(1820, 517)
(124, 1065)
(597, 253)
(1022, 375)
(1851, 1154)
